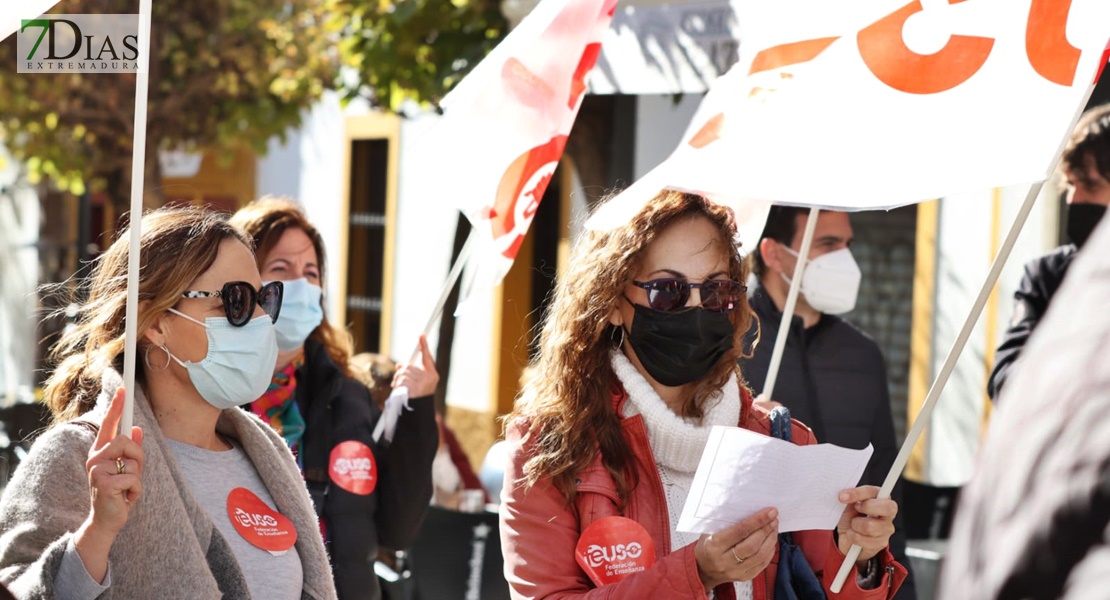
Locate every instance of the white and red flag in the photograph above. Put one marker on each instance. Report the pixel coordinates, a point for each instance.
(506, 124)
(873, 104)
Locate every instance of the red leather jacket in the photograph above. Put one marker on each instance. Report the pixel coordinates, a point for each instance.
(539, 532)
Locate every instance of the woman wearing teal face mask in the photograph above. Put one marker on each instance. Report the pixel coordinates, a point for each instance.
(366, 494)
(203, 501)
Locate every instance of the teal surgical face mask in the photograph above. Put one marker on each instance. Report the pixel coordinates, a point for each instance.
(239, 364)
(301, 314)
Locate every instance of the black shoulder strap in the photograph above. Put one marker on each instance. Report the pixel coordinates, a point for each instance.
(316, 449)
(782, 429)
(315, 379)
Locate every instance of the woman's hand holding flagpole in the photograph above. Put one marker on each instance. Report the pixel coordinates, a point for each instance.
(399, 398)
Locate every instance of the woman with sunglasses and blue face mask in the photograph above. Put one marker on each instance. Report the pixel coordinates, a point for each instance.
(637, 363)
(203, 501)
(366, 493)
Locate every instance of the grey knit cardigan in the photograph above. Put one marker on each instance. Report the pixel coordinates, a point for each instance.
(169, 549)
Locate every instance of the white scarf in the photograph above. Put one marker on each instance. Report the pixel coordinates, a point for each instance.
(676, 442)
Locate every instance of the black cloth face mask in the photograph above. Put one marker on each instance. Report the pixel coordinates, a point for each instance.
(677, 348)
(1083, 218)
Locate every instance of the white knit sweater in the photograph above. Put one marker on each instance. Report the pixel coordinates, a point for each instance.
(677, 442)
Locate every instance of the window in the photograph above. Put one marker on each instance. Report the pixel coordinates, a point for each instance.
(372, 150)
(367, 224)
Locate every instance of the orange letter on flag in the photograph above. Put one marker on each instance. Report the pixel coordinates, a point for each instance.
(884, 51)
(789, 54)
(1046, 41)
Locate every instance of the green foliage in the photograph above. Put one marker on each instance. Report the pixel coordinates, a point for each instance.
(225, 73)
(413, 49)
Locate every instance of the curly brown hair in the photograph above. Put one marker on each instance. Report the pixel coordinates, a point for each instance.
(96, 342)
(264, 221)
(1090, 141)
(567, 397)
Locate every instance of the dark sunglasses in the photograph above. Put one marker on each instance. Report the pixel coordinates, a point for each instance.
(671, 295)
(239, 298)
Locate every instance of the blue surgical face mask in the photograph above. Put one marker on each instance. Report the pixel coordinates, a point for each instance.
(239, 364)
(301, 314)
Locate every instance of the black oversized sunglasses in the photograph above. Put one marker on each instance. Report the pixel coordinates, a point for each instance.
(239, 298)
(671, 295)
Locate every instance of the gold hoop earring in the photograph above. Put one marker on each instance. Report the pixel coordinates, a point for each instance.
(146, 358)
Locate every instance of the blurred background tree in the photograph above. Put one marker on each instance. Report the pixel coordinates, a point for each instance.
(225, 74)
(414, 50)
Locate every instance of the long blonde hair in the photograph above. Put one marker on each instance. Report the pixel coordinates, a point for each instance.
(567, 397)
(177, 246)
(265, 220)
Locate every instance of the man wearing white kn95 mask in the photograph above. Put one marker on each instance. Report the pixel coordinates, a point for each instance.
(833, 376)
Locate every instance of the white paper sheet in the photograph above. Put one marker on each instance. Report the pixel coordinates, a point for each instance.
(742, 472)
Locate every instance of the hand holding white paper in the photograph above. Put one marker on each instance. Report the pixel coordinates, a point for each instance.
(737, 477)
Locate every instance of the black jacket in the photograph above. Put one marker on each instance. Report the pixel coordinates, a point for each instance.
(1042, 278)
(833, 379)
(337, 408)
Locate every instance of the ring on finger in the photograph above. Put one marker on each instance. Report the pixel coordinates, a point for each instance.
(120, 466)
(733, 551)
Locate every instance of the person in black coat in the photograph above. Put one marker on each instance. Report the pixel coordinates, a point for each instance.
(832, 376)
(1033, 520)
(1086, 169)
(368, 493)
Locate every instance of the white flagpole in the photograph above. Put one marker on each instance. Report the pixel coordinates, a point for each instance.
(399, 397)
(138, 170)
(961, 341)
(452, 277)
(788, 309)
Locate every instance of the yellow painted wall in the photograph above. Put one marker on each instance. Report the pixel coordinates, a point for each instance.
(513, 301)
(921, 340)
(232, 177)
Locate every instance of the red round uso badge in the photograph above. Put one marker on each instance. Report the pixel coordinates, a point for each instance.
(613, 548)
(352, 467)
(259, 524)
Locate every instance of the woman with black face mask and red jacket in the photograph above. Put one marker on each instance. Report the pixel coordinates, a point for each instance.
(1086, 172)
(638, 362)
